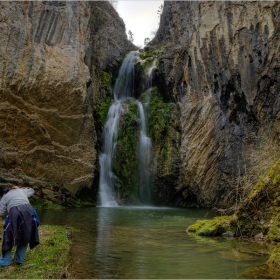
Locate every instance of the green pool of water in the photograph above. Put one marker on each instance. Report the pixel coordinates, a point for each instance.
(151, 243)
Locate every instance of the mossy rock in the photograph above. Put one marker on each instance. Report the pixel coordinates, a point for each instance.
(125, 168)
(215, 227)
(148, 56)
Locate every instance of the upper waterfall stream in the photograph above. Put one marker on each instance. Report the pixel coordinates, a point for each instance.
(124, 90)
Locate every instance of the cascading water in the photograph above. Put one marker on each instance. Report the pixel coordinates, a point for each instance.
(145, 146)
(123, 89)
(144, 156)
(124, 86)
(107, 176)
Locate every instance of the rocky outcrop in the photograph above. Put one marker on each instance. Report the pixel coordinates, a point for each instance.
(220, 64)
(47, 86)
(109, 40)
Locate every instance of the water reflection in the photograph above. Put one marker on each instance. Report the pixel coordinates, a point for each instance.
(138, 243)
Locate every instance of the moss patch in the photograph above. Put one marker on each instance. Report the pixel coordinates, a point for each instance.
(146, 59)
(148, 56)
(216, 226)
(159, 115)
(102, 110)
(107, 81)
(47, 260)
(39, 203)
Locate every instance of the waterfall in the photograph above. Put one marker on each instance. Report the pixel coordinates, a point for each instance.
(123, 89)
(110, 135)
(124, 86)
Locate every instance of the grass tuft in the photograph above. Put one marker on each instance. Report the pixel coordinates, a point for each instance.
(48, 260)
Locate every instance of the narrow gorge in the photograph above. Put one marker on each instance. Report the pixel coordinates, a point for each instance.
(195, 125)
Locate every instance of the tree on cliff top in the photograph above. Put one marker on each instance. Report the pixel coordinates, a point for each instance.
(146, 40)
(130, 36)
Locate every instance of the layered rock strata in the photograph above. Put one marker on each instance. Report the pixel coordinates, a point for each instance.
(48, 134)
(220, 64)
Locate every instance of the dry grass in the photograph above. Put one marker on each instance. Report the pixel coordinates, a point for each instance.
(257, 159)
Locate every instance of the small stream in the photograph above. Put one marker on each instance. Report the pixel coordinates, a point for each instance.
(151, 243)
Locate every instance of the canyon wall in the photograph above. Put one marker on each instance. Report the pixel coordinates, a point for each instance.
(220, 66)
(214, 118)
(48, 88)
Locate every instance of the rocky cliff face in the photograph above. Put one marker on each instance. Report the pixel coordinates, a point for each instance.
(220, 65)
(47, 87)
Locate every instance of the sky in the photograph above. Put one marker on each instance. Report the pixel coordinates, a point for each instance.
(140, 17)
